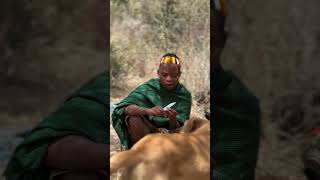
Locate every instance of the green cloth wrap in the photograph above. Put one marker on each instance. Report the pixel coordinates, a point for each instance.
(148, 95)
(236, 128)
(84, 113)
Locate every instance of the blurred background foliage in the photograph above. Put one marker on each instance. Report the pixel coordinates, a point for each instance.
(47, 49)
(273, 47)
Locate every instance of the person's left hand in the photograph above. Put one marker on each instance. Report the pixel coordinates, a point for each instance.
(172, 115)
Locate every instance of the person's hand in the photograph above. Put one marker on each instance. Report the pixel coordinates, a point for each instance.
(156, 111)
(171, 114)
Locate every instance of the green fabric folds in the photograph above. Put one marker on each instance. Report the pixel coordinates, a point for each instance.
(236, 128)
(148, 95)
(84, 113)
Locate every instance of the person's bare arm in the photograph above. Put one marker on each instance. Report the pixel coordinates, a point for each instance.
(134, 110)
(77, 152)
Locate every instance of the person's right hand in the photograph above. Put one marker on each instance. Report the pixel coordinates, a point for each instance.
(156, 111)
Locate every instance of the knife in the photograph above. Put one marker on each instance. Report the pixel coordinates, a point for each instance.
(169, 106)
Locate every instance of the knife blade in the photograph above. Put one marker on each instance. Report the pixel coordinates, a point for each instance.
(169, 106)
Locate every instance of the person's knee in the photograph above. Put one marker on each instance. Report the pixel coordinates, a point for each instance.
(136, 124)
(137, 128)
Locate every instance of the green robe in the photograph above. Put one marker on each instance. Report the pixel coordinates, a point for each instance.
(85, 113)
(236, 128)
(148, 95)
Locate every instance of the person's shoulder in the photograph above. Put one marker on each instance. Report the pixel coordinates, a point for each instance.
(185, 90)
(152, 83)
(97, 89)
(97, 81)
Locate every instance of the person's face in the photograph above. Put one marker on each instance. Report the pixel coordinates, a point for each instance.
(169, 75)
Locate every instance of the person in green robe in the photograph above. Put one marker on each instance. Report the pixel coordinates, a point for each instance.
(71, 143)
(144, 110)
(236, 112)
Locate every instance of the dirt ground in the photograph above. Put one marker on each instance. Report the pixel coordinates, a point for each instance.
(280, 161)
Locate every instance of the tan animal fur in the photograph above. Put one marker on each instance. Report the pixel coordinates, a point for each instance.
(180, 156)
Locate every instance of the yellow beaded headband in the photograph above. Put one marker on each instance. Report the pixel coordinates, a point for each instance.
(170, 59)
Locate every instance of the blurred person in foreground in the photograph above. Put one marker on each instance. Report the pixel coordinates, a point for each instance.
(143, 111)
(71, 143)
(236, 112)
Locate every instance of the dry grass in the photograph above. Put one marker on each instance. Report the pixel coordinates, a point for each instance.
(138, 40)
